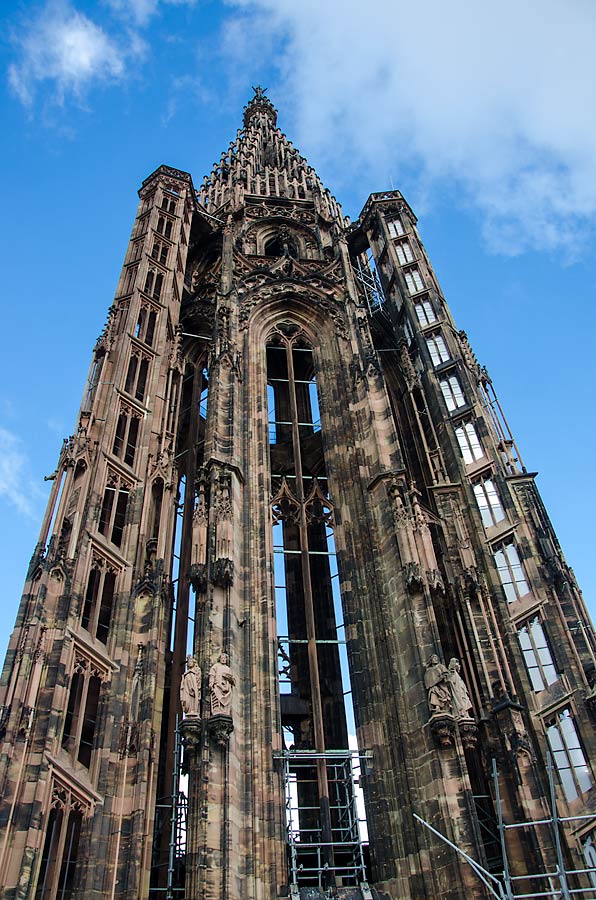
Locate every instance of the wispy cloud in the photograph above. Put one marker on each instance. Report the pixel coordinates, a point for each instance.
(17, 486)
(491, 102)
(142, 11)
(64, 51)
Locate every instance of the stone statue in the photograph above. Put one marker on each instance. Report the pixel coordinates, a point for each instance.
(459, 692)
(190, 689)
(437, 684)
(221, 682)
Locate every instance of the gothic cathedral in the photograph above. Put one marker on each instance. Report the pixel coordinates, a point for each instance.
(297, 624)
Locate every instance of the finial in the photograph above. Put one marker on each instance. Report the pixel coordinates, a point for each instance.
(259, 104)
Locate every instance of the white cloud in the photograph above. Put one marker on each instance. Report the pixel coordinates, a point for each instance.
(66, 50)
(16, 484)
(493, 101)
(142, 11)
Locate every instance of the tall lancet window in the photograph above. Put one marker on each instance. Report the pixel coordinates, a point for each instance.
(322, 820)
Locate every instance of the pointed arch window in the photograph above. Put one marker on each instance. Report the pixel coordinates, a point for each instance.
(511, 572)
(60, 852)
(80, 721)
(126, 436)
(99, 600)
(164, 226)
(145, 327)
(153, 283)
(313, 666)
(112, 517)
(425, 312)
(469, 442)
(136, 375)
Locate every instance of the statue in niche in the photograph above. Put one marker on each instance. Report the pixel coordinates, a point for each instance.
(436, 682)
(223, 549)
(190, 689)
(459, 692)
(221, 682)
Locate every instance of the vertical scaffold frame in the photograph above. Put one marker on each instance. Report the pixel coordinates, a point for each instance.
(556, 881)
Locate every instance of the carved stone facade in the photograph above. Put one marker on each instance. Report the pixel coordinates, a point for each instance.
(290, 484)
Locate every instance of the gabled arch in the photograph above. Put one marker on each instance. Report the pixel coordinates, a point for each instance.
(259, 234)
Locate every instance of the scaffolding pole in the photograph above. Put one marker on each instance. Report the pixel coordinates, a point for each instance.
(307, 849)
(503, 888)
(177, 827)
(370, 284)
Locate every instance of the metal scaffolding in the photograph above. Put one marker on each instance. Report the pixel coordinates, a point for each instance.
(313, 861)
(171, 813)
(559, 882)
(368, 280)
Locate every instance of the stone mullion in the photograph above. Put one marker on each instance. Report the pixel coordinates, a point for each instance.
(59, 852)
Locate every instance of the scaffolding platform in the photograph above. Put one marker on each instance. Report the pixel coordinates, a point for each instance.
(320, 867)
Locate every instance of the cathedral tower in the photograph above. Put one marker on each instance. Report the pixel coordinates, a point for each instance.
(297, 623)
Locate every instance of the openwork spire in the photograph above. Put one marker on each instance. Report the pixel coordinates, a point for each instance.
(263, 162)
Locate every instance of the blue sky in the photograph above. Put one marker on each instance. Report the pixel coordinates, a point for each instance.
(483, 115)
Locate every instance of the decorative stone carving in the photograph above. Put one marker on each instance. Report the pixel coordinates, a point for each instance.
(590, 697)
(436, 682)
(435, 582)
(265, 290)
(222, 573)
(221, 683)
(520, 746)
(413, 573)
(461, 701)
(469, 358)
(468, 733)
(190, 689)
(470, 581)
(449, 703)
(223, 516)
(26, 721)
(191, 733)
(410, 374)
(265, 211)
(197, 576)
(163, 466)
(443, 727)
(220, 728)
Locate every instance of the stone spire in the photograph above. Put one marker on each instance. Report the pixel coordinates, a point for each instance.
(260, 105)
(263, 162)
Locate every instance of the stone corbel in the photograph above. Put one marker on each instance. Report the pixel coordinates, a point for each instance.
(413, 574)
(191, 732)
(520, 746)
(435, 582)
(220, 729)
(222, 574)
(556, 574)
(469, 582)
(442, 725)
(197, 575)
(468, 731)
(26, 721)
